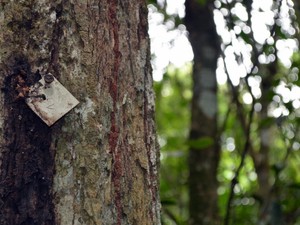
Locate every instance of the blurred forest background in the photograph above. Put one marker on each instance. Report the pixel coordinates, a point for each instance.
(227, 110)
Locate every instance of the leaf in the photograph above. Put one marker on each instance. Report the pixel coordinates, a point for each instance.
(201, 143)
(245, 37)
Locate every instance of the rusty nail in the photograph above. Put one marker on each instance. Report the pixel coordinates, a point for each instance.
(49, 78)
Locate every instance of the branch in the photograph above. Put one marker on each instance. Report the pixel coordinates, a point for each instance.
(240, 108)
(234, 181)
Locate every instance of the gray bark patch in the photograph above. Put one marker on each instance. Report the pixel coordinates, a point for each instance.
(207, 103)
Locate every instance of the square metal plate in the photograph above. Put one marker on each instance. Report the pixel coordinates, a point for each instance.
(50, 101)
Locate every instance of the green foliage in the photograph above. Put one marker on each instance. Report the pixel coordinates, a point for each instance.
(152, 2)
(201, 143)
(274, 134)
(173, 95)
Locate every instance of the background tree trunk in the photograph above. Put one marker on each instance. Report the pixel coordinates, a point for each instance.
(203, 160)
(97, 165)
(266, 190)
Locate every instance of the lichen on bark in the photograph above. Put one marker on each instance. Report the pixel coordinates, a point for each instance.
(105, 150)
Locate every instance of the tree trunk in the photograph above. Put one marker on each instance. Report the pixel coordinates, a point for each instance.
(98, 164)
(203, 160)
(261, 157)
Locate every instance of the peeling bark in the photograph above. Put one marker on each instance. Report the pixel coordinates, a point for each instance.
(97, 165)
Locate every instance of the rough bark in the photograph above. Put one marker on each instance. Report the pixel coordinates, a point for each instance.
(203, 162)
(97, 165)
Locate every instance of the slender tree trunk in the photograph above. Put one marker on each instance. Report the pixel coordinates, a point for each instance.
(262, 156)
(203, 162)
(97, 165)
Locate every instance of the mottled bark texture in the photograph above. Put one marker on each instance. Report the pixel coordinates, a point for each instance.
(97, 165)
(203, 162)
